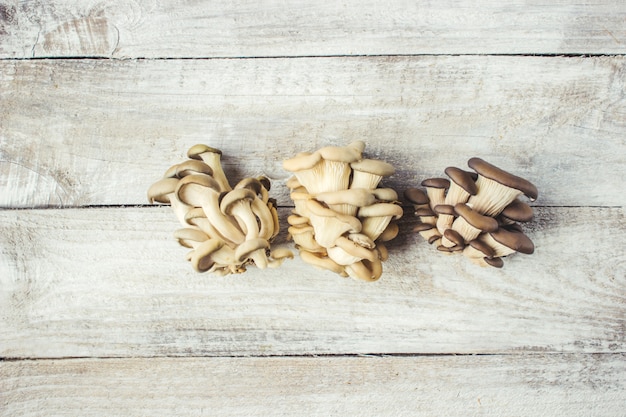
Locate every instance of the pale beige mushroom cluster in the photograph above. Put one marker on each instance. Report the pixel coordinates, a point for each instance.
(341, 218)
(226, 228)
(475, 213)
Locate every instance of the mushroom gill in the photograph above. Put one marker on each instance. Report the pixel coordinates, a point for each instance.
(227, 229)
(341, 216)
(474, 213)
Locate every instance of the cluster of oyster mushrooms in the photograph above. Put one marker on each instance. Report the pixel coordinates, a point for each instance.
(226, 228)
(476, 213)
(341, 218)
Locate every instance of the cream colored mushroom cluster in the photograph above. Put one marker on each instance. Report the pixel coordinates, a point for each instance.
(341, 218)
(475, 213)
(226, 228)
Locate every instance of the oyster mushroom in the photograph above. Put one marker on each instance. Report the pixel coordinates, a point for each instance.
(212, 157)
(389, 233)
(200, 191)
(196, 217)
(426, 215)
(209, 253)
(329, 225)
(436, 190)
(190, 238)
(505, 242)
(516, 211)
(322, 262)
(327, 169)
(303, 238)
(462, 186)
(446, 216)
(347, 201)
(365, 270)
(278, 256)
(470, 223)
(253, 249)
(481, 254)
(429, 232)
(351, 249)
(191, 166)
(376, 218)
(417, 197)
(452, 240)
(385, 195)
(238, 204)
(367, 173)
(164, 191)
(497, 188)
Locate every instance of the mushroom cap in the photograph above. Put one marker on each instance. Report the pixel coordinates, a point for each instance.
(187, 235)
(436, 183)
(323, 262)
(381, 209)
(355, 196)
(265, 182)
(201, 258)
(355, 249)
(481, 246)
(228, 199)
(463, 179)
(196, 150)
(302, 161)
(192, 166)
(296, 220)
(253, 184)
(385, 194)
(454, 237)
(495, 262)
(292, 183)
(425, 212)
(160, 190)
(422, 227)
(494, 173)
(416, 196)
(513, 227)
(444, 209)
(345, 154)
(389, 233)
(433, 239)
(244, 250)
(517, 241)
(518, 211)
(194, 213)
(475, 219)
(373, 166)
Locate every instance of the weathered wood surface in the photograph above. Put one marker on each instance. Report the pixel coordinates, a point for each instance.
(113, 283)
(110, 284)
(156, 28)
(511, 385)
(93, 132)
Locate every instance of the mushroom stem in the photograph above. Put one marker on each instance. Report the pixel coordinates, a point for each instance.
(436, 190)
(211, 157)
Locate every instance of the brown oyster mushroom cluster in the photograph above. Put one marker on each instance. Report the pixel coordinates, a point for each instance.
(341, 218)
(476, 213)
(226, 228)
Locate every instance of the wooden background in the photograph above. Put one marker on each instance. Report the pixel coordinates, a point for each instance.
(99, 313)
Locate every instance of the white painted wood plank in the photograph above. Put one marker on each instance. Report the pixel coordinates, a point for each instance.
(156, 28)
(510, 385)
(113, 283)
(100, 132)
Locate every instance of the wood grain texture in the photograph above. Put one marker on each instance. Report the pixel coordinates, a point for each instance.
(113, 283)
(92, 132)
(515, 385)
(156, 28)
